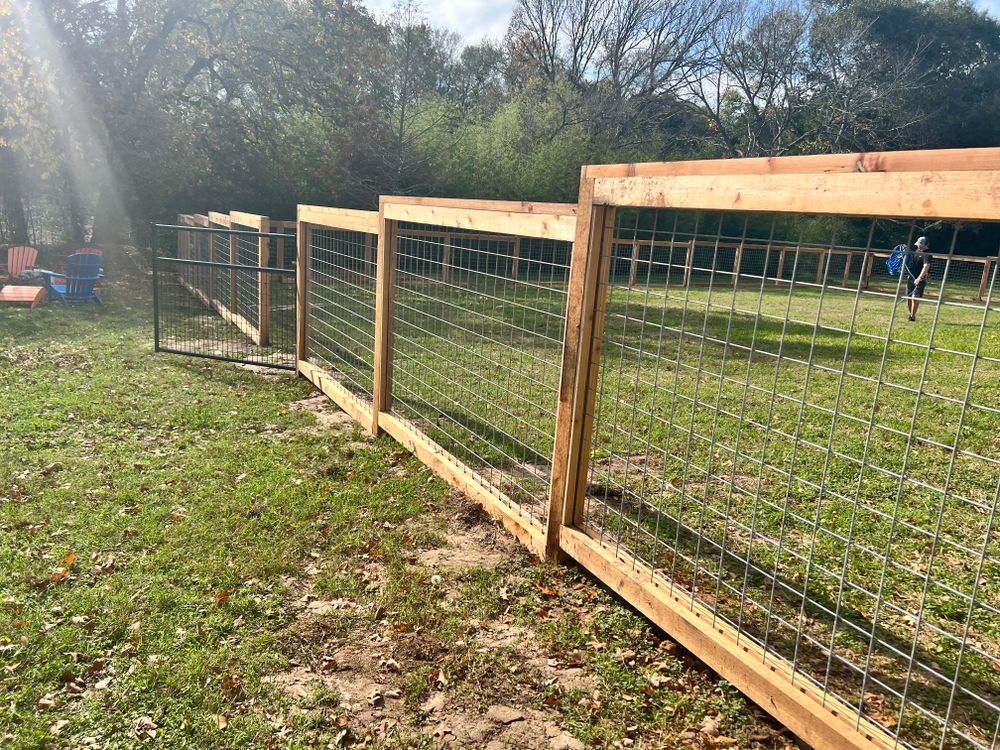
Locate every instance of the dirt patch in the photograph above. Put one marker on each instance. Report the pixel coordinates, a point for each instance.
(326, 412)
(479, 543)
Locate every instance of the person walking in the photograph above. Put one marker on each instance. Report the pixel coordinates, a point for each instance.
(918, 267)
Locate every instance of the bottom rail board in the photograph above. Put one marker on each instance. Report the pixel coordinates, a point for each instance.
(463, 478)
(359, 410)
(822, 721)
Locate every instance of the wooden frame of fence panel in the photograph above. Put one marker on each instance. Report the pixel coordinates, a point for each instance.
(261, 224)
(339, 219)
(507, 221)
(960, 188)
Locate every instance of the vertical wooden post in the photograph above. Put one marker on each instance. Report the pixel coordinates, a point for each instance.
(368, 256)
(234, 259)
(302, 263)
(736, 263)
(633, 269)
(385, 290)
(847, 268)
(581, 352)
(264, 284)
(688, 263)
(445, 258)
(866, 269)
(985, 279)
(781, 267)
(279, 258)
(516, 262)
(820, 267)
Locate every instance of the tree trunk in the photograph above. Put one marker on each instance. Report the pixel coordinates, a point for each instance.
(12, 198)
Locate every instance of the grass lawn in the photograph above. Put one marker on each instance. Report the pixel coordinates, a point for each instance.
(191, 561)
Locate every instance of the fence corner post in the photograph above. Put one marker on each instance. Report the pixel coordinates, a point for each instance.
(264, 282)
(581, 352)
(302, 263)
(385, 291)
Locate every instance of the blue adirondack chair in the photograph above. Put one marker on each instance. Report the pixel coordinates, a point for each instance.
(83, 270)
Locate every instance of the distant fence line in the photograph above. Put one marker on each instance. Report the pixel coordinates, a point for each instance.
(744, 437)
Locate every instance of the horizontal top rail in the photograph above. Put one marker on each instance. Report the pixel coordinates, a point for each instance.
(972, 195)
(516, 207)
(219, 218)
(244, 219)
(208, 230)
(347, 219)
(236, 266)
(495, 219)
(954, 160)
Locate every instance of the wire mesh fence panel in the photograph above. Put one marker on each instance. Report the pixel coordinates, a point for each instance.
(221, 283)
(807, 462)
(246, 282)
(187, 324)
(341, 311)
(477, 353)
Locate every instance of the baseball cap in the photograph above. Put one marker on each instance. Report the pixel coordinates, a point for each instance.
(921, 242)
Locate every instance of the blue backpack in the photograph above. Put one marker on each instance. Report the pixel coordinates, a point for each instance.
(897, 260)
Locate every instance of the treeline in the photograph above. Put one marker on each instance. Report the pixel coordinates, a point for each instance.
(113, 113)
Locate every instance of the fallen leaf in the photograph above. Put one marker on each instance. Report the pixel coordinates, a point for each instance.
(223, 596)
(145, 728)
(58, 726)
(221, 721)
(70, 559)
(61, 574)
(45, 703)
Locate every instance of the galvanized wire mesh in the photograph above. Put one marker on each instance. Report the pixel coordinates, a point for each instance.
(190, 321)
(775, 437)
(341, 306)
(247, 289)
(478, 328)
(221, 281)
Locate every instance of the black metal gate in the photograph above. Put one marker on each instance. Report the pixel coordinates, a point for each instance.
(211, 300)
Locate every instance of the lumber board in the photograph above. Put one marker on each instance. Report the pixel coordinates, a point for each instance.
(546, 226)
(973, 195)
(464, 479)
(799, 705)
(357, 408)
(302, 263)
(385, 290)
(263, 283)
(874, 161)
(255, 222)
(347, 219)
(518, 207)
(218, 218)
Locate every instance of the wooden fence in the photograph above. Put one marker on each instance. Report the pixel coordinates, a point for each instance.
(494, 340)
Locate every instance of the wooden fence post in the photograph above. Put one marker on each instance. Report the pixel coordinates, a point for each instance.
(847, 269)
(234, 259)
(633, 269)
(821, 267)
(986, 275)
(516, 262)
(445, 258)
(302, 263)
(264, 283)
(688, 263)
(866, 269)
(368, 256)
(279, 256)
(736, 263)
(781, 267)
(385, 291)
(580, 362)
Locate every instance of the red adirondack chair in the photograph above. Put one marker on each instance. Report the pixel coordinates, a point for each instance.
(19, 260)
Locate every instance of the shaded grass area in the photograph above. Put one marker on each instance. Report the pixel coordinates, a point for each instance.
(161, 517)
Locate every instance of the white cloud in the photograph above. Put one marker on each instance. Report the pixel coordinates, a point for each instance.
(991, 6)
(472, 19)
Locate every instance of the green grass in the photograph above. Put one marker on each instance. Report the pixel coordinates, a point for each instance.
(708, 459)
(160, 517)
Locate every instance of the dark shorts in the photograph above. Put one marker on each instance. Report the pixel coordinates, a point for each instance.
(915, 290)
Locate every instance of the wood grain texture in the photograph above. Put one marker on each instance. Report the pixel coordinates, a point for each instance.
(359, 410)
(876, 161)
(348, 219)
(973, 195)
(545, 226)
(518, 207)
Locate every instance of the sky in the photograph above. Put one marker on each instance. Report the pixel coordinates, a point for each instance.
(476, 19)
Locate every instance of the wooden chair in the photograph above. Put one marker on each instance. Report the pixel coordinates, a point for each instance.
(19, 260)
(83, 271)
